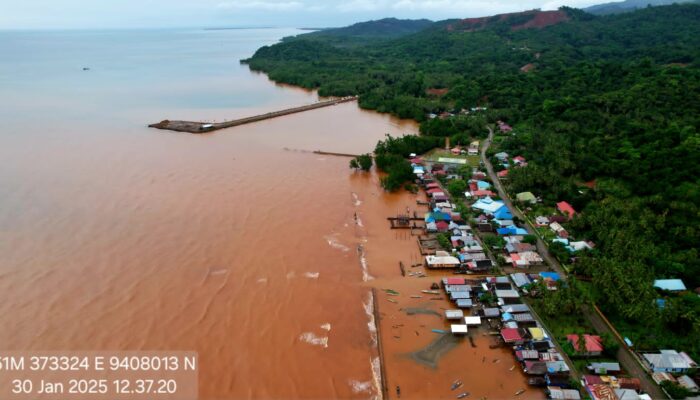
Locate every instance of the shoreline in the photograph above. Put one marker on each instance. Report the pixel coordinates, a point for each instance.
(404, 322)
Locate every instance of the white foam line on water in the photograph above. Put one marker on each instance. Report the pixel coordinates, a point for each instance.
(376, 378)
(334, 243)
(360, 387)
(311, 338)
(312, 275)
(375, 363)
(371, 323)
(218, 272)
(363, 263)
(356, 199)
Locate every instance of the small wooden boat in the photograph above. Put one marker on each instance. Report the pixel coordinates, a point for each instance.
(456, 384)
(519, 392)
(431, 291)
(462, 395)
(416, 297)
(439, 331)
(392, 300)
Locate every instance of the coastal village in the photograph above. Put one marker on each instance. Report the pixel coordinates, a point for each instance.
(484, 256)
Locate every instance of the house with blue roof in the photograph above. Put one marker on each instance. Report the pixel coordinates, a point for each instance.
(437, 216)
(550, 275)
(511, 230)
(488, 205)
(671, 285)
(483, 185)
(503, 213)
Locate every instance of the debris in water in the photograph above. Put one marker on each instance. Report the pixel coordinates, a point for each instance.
(417, 334)
(462, 395)
(497, 360)
(430, 291)
(419, 310)
(392, 300)
(519, 392)
(456, 384)
(415, 296)
(391, 292)
(435, 286)
(439, 331)
(512, 368)
(437, 298)
(397, 337)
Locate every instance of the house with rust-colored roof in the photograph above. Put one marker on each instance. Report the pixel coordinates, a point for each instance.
(566, 208)
(593, 344)
(512, 335)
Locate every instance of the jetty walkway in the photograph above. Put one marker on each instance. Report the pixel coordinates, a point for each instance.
(205, 127)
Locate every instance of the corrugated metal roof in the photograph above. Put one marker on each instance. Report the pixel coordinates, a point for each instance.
(673, 285)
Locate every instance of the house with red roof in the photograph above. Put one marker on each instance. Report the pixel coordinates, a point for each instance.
(520, 160)
(566, 208)
(512, 335)
(442, 226)
(482, 193)
(593, 345)
(502, 174)
(505, 128)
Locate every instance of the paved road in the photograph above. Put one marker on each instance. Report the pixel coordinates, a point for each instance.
(624, 355)
(541, 246)
(628, 360)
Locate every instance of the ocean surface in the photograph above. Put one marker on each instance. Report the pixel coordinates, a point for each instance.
(241, 245)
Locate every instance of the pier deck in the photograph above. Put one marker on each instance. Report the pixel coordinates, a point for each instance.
(206, 127)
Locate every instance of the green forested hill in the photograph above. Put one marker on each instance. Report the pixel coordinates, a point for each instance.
(629, 5)
(362, 32)
(615, 99)
(389, 28)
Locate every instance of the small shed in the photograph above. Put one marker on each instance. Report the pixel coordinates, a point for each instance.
(472, 320)
(526, 197)
(464, 303)
(458, 329)
(454, 314)
(491, 312)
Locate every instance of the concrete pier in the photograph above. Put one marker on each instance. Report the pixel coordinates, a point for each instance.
(206, 127)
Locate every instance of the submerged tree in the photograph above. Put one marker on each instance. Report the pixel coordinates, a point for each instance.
(363, 162)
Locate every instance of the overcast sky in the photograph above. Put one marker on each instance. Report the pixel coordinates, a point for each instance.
(33, 14)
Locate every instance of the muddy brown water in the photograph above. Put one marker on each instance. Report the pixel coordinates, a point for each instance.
(240, 245)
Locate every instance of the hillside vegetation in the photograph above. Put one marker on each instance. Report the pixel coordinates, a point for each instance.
(630, 5)
(612, 99)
